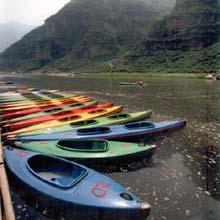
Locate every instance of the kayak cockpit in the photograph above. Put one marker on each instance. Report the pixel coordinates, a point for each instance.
(62, 113)
(83, 123)
(97, 111)
(69, 118)
(84, 145)
(76, 105)
(56, 171)
(53, 110)
(93, 131)
(140, 125)
(119, 116)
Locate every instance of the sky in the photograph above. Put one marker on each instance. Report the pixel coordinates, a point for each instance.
(31, 12)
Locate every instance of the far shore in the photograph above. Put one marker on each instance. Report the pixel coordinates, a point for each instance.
(115, 74)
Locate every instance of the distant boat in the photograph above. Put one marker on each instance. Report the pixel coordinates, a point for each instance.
(141, 83)
(127, 83)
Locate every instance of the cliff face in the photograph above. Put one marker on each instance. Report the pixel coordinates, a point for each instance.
(192, 25)
(82, 29)
(187, 40)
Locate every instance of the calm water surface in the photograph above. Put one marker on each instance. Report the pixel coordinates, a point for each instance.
(182, 181)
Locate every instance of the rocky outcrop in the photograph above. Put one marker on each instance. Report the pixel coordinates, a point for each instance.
(192, 25)
(82, 29)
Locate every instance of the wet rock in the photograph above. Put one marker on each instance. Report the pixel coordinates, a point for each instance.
(207, 193)
(187, 213)
(197, 196)
(166, 199)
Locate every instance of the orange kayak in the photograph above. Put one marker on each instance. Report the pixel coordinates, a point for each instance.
(56, 116)
(70, 119)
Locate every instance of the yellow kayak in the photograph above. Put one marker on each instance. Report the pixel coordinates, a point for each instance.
(70, 119)
(42, 103)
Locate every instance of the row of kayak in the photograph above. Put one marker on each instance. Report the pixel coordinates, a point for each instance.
(49, 132)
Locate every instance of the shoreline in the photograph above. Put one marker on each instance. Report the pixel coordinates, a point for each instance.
(115, 74)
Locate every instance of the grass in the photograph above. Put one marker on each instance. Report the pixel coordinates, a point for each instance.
(145, 75)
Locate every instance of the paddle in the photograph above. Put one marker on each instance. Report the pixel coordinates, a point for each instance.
(5, 193)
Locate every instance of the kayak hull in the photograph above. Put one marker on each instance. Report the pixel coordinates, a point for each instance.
(21, 113)
(120, 118)
(89, 150)
(92, 191)
(128, 132)
(70, 119)
(49, 117)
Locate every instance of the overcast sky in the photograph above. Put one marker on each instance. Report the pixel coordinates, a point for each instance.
(32, 12)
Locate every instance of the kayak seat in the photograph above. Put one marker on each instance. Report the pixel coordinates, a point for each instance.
(69, 118)
(83, 123)
(64, 181)
(118, 116)
(76, 105)
(53, 110)
(97, 111)
(93, 131)
(140, 125)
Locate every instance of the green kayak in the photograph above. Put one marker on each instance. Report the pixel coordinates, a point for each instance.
(121, 118)
(52, 111)
(89, 150)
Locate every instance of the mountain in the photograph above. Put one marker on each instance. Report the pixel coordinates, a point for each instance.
(83, 32)
(185, 40)
(193, 24)
(11, 32)
(164, 6)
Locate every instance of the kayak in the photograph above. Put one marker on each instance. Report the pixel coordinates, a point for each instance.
(51, 111)
(128, 132)
(70, 119)
(89, 150)
(37, 109)
(120, 118)
(128, 83)
(31, 98)
(43, 103)
(79, 189)
(27, 97)
(55, 116)
(18, 106)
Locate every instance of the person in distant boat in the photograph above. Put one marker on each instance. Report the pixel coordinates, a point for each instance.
(210, 76)
(140, 82)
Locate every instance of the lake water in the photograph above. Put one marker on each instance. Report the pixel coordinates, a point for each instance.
(182, 180)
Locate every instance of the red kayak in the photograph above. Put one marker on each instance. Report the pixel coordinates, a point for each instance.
(55, 116)
(21, 113)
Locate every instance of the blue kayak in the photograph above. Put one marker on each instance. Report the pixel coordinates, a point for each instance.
(126, 132)
(76, 187)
